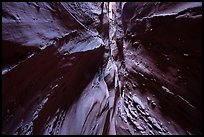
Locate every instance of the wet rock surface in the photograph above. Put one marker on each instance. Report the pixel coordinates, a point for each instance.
(90, 68)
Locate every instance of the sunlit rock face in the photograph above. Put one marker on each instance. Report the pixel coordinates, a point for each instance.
(69, 68)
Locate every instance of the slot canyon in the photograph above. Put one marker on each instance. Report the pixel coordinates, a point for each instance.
(102, 68)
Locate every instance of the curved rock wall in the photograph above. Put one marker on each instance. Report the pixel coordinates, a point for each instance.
(163, 60)
(51, 53)
(70, 69)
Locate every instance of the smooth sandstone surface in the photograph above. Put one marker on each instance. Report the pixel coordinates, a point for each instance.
(98, 68)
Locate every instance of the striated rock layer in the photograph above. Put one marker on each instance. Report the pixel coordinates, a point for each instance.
(74, 68)
(163, 64)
